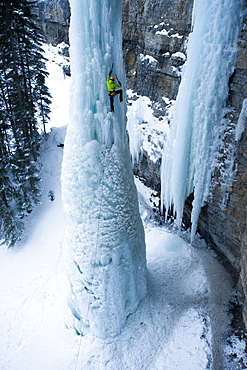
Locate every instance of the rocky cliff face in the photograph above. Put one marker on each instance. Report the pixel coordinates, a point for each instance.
(53, 19)
(154, 42)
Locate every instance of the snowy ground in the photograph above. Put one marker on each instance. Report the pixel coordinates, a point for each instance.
(182, 324)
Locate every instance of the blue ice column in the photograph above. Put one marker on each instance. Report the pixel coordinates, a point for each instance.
(104, 246)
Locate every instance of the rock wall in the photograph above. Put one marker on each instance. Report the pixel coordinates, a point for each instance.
(53, 19)
(154, 44)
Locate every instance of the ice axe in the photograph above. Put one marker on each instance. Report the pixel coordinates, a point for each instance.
(118, 80)
(111, 69)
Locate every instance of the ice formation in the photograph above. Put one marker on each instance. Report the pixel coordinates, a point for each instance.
(105, 247)
(241, 124)
(190, 153)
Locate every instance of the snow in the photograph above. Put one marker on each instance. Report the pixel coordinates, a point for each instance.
(150, 60)
(32, 298)
(177, 35)
(162, 32)
(142, 125)
(168, 33)
(179, 55)
(58, 84)
(181, 324)
(192, 148)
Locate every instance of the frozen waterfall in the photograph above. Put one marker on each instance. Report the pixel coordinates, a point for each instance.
(105, 247)
(190, 154)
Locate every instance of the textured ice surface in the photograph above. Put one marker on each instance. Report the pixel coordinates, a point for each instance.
(190, 154)
(105, 238)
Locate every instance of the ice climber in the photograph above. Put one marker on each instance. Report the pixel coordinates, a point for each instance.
(111, 86)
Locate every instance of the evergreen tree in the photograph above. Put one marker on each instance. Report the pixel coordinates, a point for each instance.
(43, 99)
(24, 104)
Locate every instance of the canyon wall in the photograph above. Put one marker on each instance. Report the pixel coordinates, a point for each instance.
(156, 29)
(53, 19)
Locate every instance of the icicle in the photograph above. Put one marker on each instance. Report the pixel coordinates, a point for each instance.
(241, 124)
(189, 157)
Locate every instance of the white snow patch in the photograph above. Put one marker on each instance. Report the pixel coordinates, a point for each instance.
(167, 54)
(151, 60)
(179, 55)
(168, 33)
(163, 32)
(58, 84)
(177, 36)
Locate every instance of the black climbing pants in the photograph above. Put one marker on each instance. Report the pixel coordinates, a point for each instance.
(112, 94)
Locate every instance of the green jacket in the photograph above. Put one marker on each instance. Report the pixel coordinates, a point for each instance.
(111, 84)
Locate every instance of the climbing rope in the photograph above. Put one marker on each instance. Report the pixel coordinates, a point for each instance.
(95, 252)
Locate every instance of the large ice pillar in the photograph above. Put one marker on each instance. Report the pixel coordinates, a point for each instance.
(190, 154)
(105, 247)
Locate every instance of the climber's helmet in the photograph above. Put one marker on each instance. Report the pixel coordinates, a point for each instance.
(112, 78)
